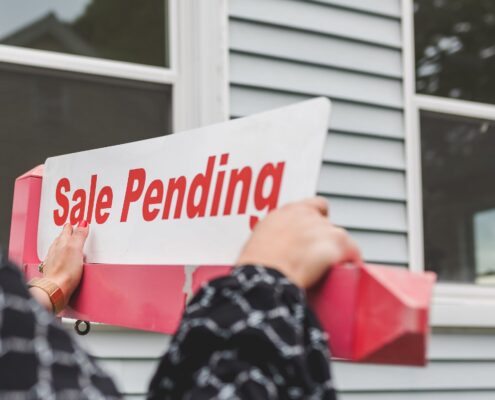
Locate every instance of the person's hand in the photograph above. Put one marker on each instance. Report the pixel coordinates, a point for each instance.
(299, 241)
(64, 262)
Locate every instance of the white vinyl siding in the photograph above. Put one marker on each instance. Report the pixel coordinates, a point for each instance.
(373, 121)
(316, 17)
(313, 80)
(461, 367)
(284, 51)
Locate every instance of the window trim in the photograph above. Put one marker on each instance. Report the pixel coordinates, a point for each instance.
(201, 95)
(463, 108)
(454, 305)
(84, 64)
(198, 72)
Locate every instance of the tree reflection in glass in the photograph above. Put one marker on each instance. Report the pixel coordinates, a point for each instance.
(123, 30)
(455, 49)
(458, 164)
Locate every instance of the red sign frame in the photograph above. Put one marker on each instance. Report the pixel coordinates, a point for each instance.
(372, 313)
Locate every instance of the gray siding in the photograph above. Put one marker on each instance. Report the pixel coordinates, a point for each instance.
(461, 367)
(284, 51)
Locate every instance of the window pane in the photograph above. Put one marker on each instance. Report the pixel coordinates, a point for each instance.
(455, 49)
(124, 30)
(46, 113)
(458, 167)
(484, 241)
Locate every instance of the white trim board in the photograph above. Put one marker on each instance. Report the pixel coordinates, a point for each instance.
(201, 94)
(468, 109)
(83, 64)
(412, 143)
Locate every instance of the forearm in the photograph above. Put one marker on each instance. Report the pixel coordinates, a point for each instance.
(41, 297)
(251, 332)
(35, 346)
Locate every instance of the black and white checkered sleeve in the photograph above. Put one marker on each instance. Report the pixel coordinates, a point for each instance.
(249, 335)
(38, 359)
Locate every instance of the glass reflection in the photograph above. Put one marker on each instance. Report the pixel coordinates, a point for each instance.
(457, 170)
(484, 241)
(52, 112)
(455, 49)
(124, 30)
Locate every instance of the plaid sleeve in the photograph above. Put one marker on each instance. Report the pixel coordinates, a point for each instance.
(38, 358)
(246, 336)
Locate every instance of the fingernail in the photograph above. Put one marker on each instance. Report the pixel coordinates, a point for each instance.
(83, 224)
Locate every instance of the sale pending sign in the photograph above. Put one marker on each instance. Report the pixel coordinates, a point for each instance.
(187, 198)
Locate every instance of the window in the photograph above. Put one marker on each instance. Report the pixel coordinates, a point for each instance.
(458, 162)
(484, 251)
(452, 93)
(455, 49)
(83, 74)
(124, 30)
(449, 94)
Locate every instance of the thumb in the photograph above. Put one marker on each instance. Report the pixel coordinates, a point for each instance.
(80, 233)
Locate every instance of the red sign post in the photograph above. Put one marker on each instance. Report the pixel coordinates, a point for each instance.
(372, 313)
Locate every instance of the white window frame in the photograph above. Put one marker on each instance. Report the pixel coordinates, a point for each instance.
(198, 72)
(454, 305)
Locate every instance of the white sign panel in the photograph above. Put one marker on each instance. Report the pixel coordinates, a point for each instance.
(186, 198)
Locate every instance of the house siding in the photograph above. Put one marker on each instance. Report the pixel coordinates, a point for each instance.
(285, 51)
(461, 367)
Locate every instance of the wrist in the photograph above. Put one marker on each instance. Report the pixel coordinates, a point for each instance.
(282, 266)
(291, 274)
(41, 297)
(64, 283)
(53, 292)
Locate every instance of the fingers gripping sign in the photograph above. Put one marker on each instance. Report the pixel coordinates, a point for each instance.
(300, 241)
(64, 262)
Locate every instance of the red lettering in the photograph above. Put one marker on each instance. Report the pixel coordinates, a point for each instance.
(202, 181)
(91, 202)
(236, 176)
(153, 195)
(133, 194)
(218, 186)
(60, 216)
(253, 220)
(275, 173)
(103, 202)
(270, 201)
(82, 204)
(77, 211)
(174, 185)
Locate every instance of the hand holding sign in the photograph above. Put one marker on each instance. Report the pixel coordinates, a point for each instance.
(62, 267)
(299, 241)
(64, 262)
